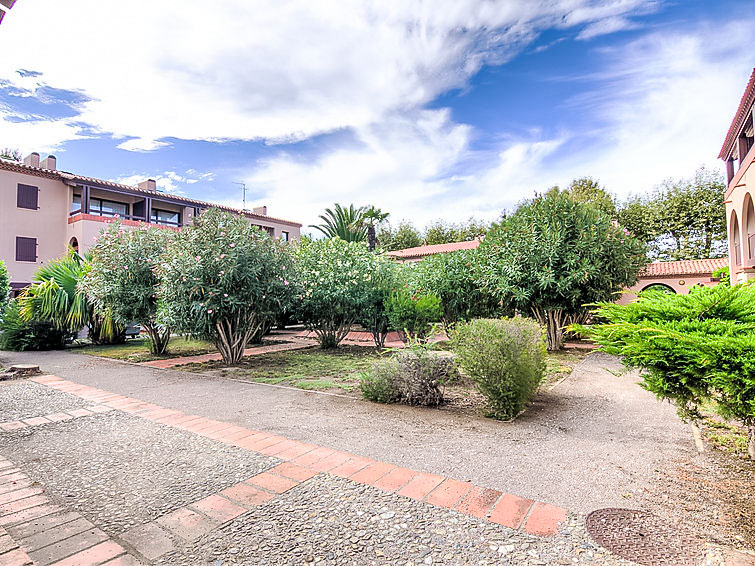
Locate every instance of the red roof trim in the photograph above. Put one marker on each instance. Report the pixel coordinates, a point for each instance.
(748, 99)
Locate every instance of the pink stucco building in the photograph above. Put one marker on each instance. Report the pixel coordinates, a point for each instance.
(738, 152)
(44, 210)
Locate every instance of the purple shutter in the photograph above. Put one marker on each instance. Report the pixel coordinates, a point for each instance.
(27, 197)
(26, 249)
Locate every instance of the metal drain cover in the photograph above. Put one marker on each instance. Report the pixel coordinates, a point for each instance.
(643, 538)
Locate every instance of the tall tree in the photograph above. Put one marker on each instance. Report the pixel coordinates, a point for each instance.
(405, 235)
(589, 191)
(681, 218)
(343, 222)
(442, 232)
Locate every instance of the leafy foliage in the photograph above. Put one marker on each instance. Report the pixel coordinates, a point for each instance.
(123, 282)
(506, 358)
(405, 235)
(452, 277)
(11, 154)
(370, 218)
(411, 312)
(553, 255)
(335, 286)
(414, 376)
(344, 223)
(682, 218)
(693, 349)
(57, 296)
(373, 315)
(221, 280)
(440, 232)
(588, 191)
(723, 275)
(19, 334)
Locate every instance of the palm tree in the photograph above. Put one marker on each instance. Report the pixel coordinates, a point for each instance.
(57, 297)
(342, 223)
(371, 218)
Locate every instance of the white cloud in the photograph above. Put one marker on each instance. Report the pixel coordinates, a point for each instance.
(167, 181)
(278, 71)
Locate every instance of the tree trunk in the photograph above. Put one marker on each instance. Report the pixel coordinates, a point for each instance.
(159, 338)
(233, 336)
(751, 444)
(371, 239)
(553, 320)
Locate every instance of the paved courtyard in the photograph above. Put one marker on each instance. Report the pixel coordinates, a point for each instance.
(91, 474)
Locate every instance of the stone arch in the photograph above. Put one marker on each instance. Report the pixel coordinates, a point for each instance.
(748, 227)
(736, 251)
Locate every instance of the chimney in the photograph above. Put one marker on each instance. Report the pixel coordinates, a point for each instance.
(32, 160)
(261, 210)
(49, 163)
(148, 185)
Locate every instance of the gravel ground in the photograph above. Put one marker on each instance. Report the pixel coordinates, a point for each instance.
(329, 520)
(25, 399)
(120, 471)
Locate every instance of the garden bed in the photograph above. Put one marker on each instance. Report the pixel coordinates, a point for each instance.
(137, 350)
(338, 371)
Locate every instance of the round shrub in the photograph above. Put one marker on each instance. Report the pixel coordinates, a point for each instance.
(505, 358)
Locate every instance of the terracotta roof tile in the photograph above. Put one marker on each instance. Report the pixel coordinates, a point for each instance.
(686, 267)
(422, 251)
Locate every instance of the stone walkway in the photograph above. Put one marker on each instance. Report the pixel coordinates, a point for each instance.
(102, 478)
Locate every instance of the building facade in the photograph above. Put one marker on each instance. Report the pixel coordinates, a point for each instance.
(738, 152)
(43, 211)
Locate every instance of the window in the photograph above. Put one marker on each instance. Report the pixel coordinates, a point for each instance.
(165, 217)
(284, 236)
(27, 197)
(76, 204)
(26, 249)
(102, 207)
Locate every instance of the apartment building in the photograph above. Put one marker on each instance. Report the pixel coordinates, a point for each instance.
(738, 152)
(44, 210)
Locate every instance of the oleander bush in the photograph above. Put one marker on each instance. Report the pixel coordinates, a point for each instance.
(335, 286)
(4, 287)
(223, 280)
(414, 376)
(695, 349)
(505, 358)
(411, 313)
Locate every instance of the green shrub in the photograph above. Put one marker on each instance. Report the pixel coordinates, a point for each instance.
(693, 349)
(414, 376)
(16, 333)
(723, 275)
(505, 358)
(411, 313)
(4, 287)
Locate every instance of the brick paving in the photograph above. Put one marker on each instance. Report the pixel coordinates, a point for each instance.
(36, 529)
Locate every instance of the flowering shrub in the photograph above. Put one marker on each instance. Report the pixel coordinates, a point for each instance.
(373, 314)
(411, 313)
(122, 279)
(223, 280)
(4, 287)
(335, 286)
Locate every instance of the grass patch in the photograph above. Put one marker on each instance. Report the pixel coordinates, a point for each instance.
(726, 436)
(137, 350)
(310, 368)
(560, 364)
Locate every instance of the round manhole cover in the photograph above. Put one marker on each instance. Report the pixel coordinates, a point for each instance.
(643, 538)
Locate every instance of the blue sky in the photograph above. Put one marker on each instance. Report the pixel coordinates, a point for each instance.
(443, 109)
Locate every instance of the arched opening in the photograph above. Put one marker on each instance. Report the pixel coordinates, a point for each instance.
(659, 288)
(736, 251)
(749, 226)
(74, 243)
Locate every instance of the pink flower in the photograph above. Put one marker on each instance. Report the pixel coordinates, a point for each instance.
(232, 245)
(209, 311)
(117, 216)
(222, 256)
(225, 294)
(222, 272)
(198, 258)
(285, 283)
(125, 267)
(222, 233)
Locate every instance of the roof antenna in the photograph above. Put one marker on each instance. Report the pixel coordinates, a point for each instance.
(243, 194)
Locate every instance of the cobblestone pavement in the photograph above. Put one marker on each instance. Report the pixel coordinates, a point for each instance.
(125, 482)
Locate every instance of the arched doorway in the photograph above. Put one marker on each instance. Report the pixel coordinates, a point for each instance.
(736, 245)
(749, 226)
(659, 287)
(74, 243)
